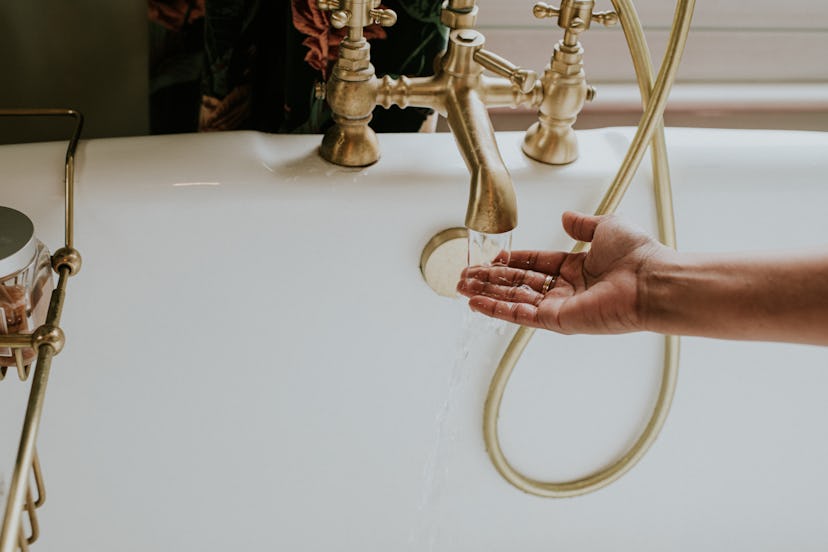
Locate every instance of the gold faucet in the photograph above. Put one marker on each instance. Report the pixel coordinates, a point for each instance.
(551, 140)
(462, 93)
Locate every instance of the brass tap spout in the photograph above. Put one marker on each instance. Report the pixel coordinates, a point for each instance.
(461, 93)
(492, 207)
(458, 91)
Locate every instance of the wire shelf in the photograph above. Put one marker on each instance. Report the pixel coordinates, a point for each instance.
(27, 491)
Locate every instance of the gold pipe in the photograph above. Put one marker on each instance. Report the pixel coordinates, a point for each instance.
(69, 165)
(640, 54)
(658, 101)
(16, 341)
(418, 91)
(18, 487)
(650, 130)
(19, 483)
(430, 92)
(498, 92)
(30, 509)
(38, 477)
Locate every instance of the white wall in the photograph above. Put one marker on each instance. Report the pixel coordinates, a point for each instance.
(730, 42)
(747, 65)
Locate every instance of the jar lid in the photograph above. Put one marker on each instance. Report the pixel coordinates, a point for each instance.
(17, 241)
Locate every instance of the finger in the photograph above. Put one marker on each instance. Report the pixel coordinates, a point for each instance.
(471, 287)
(548, 262)
(517, 313)
(579, 226)
(506, 276)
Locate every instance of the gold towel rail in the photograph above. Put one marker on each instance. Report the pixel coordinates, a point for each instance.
(48, 341)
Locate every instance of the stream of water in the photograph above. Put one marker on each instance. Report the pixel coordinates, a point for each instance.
(430, 522)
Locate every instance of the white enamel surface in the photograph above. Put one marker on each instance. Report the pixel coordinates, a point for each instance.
(254, 362)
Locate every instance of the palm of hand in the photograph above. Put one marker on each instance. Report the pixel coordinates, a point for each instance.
(594, 292)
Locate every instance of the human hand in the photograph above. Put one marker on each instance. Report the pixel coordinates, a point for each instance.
(599, 291)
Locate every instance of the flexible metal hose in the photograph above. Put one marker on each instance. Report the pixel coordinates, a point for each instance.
(650, 131)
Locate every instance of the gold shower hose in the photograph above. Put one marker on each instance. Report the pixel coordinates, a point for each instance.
(650, 131)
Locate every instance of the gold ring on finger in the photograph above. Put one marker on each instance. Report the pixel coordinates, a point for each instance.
(549, 283)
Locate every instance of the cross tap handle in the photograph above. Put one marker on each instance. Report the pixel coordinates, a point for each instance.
(605, 18)
(357, 13)
(340, 19)
(574, 14)
(383, 17)
(542, 10)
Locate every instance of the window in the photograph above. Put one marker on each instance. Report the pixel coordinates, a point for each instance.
(770, 53)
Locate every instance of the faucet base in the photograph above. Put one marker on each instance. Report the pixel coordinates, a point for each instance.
(553, 145)
(350, 144)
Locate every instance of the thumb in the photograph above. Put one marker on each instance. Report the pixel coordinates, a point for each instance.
(579, 226)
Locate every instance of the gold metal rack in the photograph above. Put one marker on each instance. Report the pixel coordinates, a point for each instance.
(48, 341)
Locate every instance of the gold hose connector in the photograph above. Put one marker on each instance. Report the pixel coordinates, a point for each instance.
(650, 131)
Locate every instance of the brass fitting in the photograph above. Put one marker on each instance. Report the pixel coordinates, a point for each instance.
(459, 15)
(524, 79)
(574, 14)
(351, 91)
(48, 335)
(551, 140)
(383, 17)
(67, 257)
(459, 90)
(354, 61)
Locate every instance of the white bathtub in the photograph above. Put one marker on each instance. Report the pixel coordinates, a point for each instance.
(254, 362)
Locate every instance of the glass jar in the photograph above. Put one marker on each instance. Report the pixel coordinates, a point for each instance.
(25, 282)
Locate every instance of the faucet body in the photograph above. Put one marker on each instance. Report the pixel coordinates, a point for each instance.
(351, 93)
(461, 92)
(551, 140)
